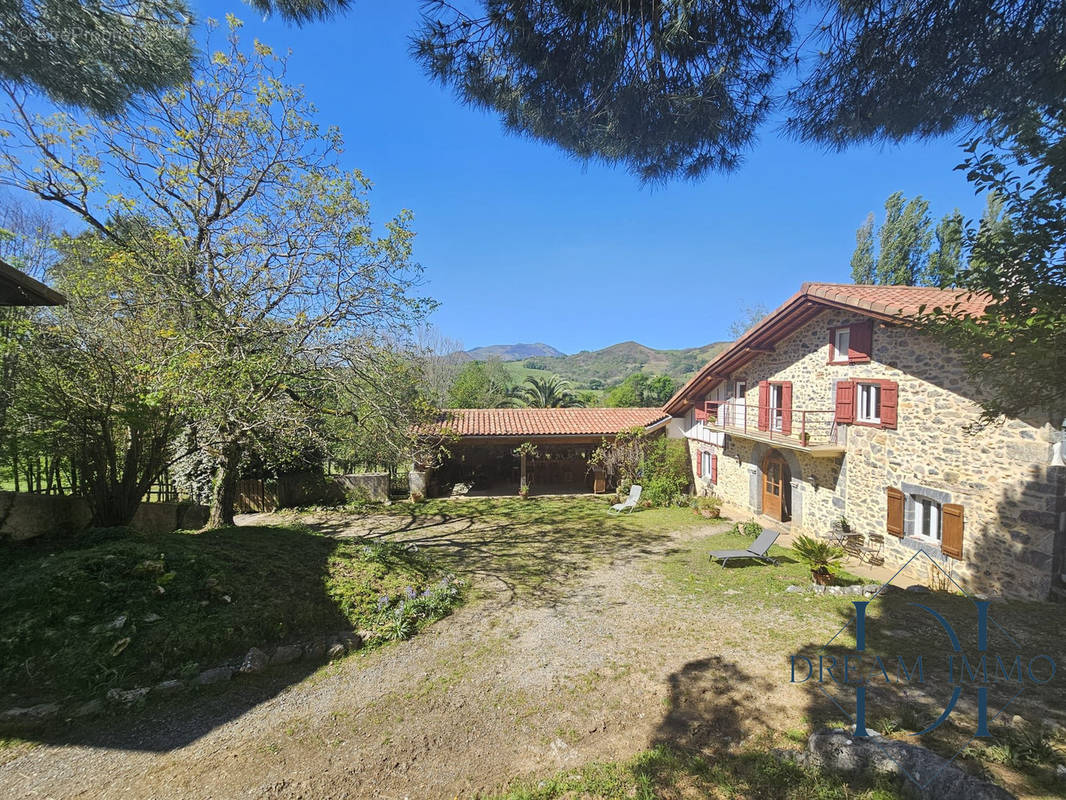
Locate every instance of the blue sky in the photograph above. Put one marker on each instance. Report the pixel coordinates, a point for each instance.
(521, 243)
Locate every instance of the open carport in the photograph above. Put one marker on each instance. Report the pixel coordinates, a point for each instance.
(479, 445)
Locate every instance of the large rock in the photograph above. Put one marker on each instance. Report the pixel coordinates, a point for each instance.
(255, 660)
(286, 654)
(127, 696)
(352, 641)
(922, 773)
(36, 713)
(216, 675)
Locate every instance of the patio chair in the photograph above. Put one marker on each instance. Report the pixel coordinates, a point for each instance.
(758, 550)
(630, 502)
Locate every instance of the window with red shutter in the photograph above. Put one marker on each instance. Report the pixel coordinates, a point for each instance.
(764, 405)
(860, 341)
(889, 404)
(894, 518)
(845, 402)
(714, 468)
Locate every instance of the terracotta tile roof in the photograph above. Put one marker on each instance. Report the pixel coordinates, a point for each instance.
(543, 421)
(884, 302)
(898, 301)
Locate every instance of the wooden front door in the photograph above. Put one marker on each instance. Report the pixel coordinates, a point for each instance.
(773, 486)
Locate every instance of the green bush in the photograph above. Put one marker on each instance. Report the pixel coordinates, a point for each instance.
(666, 471)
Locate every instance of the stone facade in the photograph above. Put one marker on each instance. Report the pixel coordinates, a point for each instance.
(1012, 498)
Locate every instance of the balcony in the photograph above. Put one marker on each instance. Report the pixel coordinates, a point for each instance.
(811, 431)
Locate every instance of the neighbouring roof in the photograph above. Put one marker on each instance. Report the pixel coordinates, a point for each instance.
(544, 421)
(19, 289)
(886, 303)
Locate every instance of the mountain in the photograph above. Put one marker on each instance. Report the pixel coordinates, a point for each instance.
(514, 352)
(611, 365)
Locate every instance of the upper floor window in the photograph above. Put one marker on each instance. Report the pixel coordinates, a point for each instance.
(841, 339)
(868, 405)
(850, 344)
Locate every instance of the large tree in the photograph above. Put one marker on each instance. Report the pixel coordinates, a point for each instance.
(677, 88)
(1016, 349)
(249, 236)
(97, 55)
(91, 401)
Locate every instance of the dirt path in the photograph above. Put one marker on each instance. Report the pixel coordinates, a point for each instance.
(588, 663)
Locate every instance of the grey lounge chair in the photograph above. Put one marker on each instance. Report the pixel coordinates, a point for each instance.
(630, 502)
(758, 550)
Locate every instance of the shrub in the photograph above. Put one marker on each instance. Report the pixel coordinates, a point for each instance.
(665, 471)
(709, 503)
(749, 528)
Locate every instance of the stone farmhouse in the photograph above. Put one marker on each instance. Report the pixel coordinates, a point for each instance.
(834, 406)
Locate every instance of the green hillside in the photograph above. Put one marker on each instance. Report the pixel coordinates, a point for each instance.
(611, 365)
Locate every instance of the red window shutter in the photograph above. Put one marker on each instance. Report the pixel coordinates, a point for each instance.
(845, 405)
(764, 405)
(894, 518)
(700, 414)
(889, 404)
(786, 407)
(699, 463)
(714, 468)
(951, 530)
(860, 341)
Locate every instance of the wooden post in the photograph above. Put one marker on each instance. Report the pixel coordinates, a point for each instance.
(522, 481)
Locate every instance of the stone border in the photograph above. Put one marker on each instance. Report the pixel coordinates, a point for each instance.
(323, 648)
(866, 590)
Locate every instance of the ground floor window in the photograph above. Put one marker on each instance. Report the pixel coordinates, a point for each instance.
(927, 518)
(707, 466)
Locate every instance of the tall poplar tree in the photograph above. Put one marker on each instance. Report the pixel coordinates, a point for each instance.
(862, 260)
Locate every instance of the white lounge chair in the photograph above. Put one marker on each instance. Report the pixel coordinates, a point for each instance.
(630, 502)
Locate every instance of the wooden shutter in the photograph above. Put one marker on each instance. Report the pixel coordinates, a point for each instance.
(700, 415)
(786, 407)
(845, 401)
(860, 340)
(764, 405)
(894, 518)
(699, 463)
(951, 530)
(889, 404)
(714, 468)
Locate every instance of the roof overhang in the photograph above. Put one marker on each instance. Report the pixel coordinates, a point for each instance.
(19, 289)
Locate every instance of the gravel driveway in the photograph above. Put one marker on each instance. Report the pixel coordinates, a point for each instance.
(587, 659)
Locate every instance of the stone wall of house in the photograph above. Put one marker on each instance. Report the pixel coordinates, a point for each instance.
(1000, 475)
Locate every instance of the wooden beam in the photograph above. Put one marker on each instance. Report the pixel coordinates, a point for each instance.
(766, 348)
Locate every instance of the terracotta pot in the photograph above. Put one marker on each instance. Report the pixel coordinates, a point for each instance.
(822, 576)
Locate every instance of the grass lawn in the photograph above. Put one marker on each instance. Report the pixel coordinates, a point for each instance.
(664, 772)
(115, 608)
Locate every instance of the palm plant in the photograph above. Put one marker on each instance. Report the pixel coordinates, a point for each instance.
(822, 557)
(550, 392)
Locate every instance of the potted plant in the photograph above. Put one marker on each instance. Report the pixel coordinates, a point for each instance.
(820, 556)
(417, 497)
(709, 507)
(805, 438)
(841, 525)
(523, 491)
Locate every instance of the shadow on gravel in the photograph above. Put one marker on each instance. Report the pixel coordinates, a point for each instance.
(264, 586)
(533, 550)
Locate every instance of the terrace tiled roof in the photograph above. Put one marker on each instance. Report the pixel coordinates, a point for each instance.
(543, 421)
